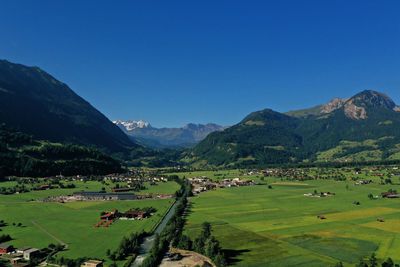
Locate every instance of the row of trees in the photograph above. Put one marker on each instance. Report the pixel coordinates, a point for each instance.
(68, 262)
(173, 231)
(128, 246)
(372, 261)
(205, 244)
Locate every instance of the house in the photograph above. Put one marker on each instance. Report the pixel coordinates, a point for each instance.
(92, 263)
(31, 253)
(22, 250)
(6, 248)
(44, 187)
(109, 216)
(116, 190)
(135, 214)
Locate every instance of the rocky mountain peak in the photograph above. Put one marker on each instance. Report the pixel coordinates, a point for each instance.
(371, 98)
(358, 106)
(333, 105)
(130, 125)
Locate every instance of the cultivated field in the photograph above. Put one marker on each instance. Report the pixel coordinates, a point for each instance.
(259, 226)
(73, 223)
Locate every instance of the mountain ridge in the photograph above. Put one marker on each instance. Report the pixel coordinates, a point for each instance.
(186, 136)
(34, 102)
(268, 137)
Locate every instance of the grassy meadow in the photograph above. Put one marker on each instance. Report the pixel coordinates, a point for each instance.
(73, 223)
(259, 226)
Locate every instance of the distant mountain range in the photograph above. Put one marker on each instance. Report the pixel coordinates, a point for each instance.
(34, 102)
(365, 127)
(187, 136)
(47, 117)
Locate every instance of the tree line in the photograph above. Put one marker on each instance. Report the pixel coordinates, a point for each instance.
(172, 235)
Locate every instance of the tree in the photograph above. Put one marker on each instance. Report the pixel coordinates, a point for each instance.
(185, 243)
(198, 245)
(220, 261)
(388, 263)
(361, 264)
(373, 262)
(339, 264)
(211, 247)
(113, 256)
(206, 233)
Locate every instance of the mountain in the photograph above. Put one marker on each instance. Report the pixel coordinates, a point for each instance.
(365, 127)
(186, 136)
(22, 155)
(263, 136)
(34, 102)
(132, 125)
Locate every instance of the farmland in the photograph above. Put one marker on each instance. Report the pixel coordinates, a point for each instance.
(275, 224)
(73, 223)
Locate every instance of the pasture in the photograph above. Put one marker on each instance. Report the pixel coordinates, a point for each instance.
(73, 223)
(259, 226)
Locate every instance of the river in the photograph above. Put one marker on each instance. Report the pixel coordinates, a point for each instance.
(148, 242)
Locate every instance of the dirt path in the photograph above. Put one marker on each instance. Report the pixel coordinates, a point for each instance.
(49, 234)
(190, 259)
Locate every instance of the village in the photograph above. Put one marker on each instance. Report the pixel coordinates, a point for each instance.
(203, 184)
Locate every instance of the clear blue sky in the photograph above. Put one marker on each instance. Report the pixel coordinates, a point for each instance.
(173, 62)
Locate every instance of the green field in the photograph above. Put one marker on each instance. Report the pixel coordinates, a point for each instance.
(259, 226)
(73, 223)
(160, 188)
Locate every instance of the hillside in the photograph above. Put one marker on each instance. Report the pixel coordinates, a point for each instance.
(187, 136)
(264, 136)
(34, 102)
(365, 127)
(21, 155)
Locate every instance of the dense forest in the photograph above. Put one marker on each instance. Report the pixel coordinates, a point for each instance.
(22, 155)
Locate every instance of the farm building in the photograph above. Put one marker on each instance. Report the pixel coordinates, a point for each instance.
(363, 182)
(22, 250)
(104, 196)
(31, 253)
(6, 248)
(390, 195)
(117, 190)
(92, 263)
(109, 216)
(135, 214)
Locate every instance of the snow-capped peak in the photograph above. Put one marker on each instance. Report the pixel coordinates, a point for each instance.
(130, 125)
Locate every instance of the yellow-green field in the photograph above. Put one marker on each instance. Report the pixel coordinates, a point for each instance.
(259, 226)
